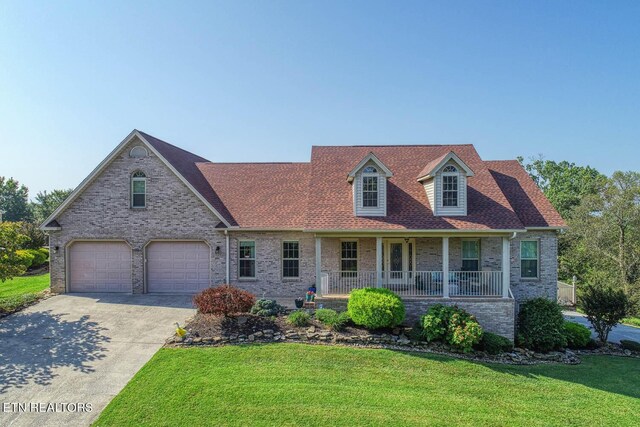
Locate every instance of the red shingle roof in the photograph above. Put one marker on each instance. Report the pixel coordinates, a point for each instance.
(531, 205)
(317, 196)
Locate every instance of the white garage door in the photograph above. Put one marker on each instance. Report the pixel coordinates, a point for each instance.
(177, 267)
(100, 267)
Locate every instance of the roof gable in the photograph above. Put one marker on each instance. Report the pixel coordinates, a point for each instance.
(435, 165)
(142, 137)
(369, 158)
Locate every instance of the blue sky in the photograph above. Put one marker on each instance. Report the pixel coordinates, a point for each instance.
(263, 81)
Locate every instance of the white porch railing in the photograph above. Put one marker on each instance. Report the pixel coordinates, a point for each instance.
(415, 283)
(475, 283)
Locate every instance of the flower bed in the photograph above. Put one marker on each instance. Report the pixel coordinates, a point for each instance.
(209, 330)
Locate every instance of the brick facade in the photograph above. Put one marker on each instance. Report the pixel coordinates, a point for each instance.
(103, 211)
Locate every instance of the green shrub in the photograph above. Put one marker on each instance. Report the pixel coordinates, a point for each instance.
(35, 237)
(541, 325)
(325, 315)
(299, 318)
(339, 322)
(45, 251)
(452, 325)
(633, 321)
(266, 308)
(375, 308)
(605, 307)
(25, 258)
(39, 258)
(630, 345)
(578, 336)
(16, 302)
(494, 344)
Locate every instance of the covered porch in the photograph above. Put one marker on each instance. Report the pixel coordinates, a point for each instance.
(415, 266)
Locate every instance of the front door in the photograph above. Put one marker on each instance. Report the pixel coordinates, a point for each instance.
(399, 261)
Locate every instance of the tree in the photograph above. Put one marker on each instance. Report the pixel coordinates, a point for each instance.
(14, 200)
(10, 241)
(45, 203)
(564, 183)
(608, 227)
(605, 307)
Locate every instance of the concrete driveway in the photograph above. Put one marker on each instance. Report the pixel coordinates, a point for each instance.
(620, 332)
(79, 349)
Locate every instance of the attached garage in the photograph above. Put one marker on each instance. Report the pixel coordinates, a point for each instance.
(178, 267)
(99, 267)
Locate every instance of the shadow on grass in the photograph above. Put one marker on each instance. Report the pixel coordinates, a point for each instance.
(32, 345)
(612, 374)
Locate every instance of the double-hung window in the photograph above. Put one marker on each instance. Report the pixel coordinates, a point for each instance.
(370, 187)
(290, 259)
(138, 190)
(247, 259)
(529, 259)
(349, 258)
(471, 255)
(450, 186)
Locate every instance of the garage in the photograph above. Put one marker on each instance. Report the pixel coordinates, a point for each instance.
(100, 267)
(178, 267)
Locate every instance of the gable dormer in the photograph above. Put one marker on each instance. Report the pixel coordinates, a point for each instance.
(445, 182)
(369, 182)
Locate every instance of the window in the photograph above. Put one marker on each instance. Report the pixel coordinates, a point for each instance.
(138, 152)
(470, 255)
(290, 259)
(450, 169)
(138, 190)
(529, 259)
(349, 258)
(370, 169)
(450, 190)
(370, 191)
(247, 259)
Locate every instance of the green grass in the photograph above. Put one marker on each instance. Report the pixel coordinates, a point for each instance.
(632, 321)
(20, 291)
(297, 384)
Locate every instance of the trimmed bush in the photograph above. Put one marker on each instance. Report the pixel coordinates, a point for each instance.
(266, 308)
(541, 325)
(224, 300)
(25, 258)
(605, 307)
(452, 325)
(299, 318)
(578, 336)
(630, 345)
(494, 344)
(39, 258)
(375, 308)
(45, 251)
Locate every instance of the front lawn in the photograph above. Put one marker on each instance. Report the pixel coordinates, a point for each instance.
(21, 291)
(297, 384)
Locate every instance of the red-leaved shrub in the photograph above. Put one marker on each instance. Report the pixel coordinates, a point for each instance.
(224, 300)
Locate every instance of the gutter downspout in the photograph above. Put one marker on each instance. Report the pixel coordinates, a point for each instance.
(227, 257)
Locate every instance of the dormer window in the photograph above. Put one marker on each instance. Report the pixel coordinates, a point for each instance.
(370, 187)
(369, 181)
(450, 186)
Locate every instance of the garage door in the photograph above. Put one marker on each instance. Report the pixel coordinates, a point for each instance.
(177, 267)
(100, 267)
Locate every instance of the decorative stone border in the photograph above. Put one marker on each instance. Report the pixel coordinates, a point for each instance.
(400, 341)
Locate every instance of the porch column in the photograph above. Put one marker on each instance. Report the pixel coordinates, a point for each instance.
(506, 266)
(318, 265)
(445, 267)
(379, 262)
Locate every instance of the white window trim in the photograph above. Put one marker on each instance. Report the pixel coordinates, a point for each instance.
(289, 259)
(255, 255)
(362, 190)
(146, 152)
(472, 259)
(537, 259)
(138, 179)
(357, 258)
(457, 175)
